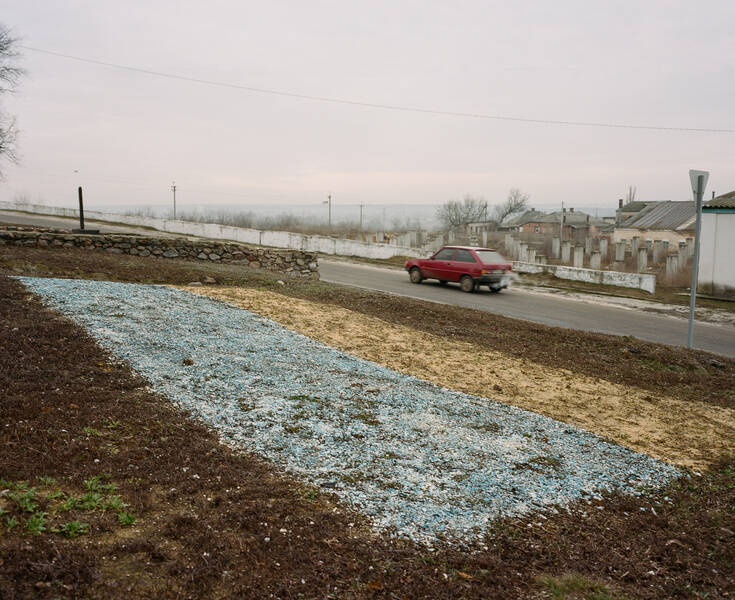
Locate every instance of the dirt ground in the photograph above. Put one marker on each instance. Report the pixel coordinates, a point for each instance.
(677, 372)
(691, 433)
(101, 450)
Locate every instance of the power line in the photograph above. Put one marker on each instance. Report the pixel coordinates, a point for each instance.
(395, 107)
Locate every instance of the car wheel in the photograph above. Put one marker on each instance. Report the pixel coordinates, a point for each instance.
(442, 282)
(415, 275)
(467, 284)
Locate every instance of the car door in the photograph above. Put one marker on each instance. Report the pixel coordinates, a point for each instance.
(437, 267)
(463, 262)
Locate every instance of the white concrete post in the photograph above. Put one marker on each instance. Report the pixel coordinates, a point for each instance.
(578, 256)
(634, 244)
(666, 247)
(541, 259)
(566, 248)
(658, 251)
(522, 252)
(531, 255)
(672, 266)
(484, 239)
(642, 259)
(690, 247)
(595, 260)
(603, 248)
(587, 245)
(620, 251)
(683, 255)
(555, 247)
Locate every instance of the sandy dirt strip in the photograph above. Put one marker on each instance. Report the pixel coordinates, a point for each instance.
(693, 434)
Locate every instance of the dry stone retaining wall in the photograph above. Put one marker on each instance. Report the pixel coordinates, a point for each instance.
(293, 263)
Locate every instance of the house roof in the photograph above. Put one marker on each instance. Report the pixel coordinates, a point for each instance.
(571, 219)
(665, 215)
(634, 207)
(723, 201)
(522, 219)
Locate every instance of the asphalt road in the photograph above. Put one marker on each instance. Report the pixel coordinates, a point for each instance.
(541, 308)
(514, 302)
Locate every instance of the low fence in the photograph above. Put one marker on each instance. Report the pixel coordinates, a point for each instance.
(640, 281)
(276, 239)
(291, 263)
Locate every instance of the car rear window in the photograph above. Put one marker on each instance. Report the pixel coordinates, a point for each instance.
(490, 256)
(444, 254)
(464, 256)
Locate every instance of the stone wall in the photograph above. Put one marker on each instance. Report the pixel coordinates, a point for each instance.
(292, 263)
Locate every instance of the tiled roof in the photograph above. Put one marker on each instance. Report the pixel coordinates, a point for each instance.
(663, 216)
(723, 201)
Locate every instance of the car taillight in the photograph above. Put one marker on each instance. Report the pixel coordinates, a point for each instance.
(485, 271)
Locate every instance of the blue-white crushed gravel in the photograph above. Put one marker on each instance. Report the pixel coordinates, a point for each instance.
(420, 460)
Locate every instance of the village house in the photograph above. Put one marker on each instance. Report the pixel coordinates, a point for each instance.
(669, 221)
(575, 226)
(717, 246)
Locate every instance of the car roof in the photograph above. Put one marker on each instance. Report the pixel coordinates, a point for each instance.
(468, 248)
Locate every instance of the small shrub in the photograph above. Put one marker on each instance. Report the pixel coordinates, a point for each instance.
(126, 518)
(68, 504)
(36, 523)
(26, 500)
(90, 501)
(73, 529)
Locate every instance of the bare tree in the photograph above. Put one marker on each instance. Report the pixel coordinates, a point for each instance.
(630, 196)
(10, 74)
(455, 213)
(516, 201)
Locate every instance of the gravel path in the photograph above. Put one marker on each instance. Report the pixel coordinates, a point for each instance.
(420, 460)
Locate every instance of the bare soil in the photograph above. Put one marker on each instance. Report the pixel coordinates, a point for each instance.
(687, 432)
(673, 371)
(69, 413)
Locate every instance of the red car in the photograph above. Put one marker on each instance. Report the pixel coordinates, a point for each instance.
(470, 267)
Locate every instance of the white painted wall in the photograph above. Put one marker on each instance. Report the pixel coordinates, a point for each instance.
(717, 253)
(639, 281)
(673, 237)
(276, 239)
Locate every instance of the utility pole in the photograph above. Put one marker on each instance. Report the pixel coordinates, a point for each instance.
(173, 189)
(561, 223)
(699, 182)
(361, 207)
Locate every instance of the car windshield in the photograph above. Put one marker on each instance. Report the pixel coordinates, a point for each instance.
(489, 256)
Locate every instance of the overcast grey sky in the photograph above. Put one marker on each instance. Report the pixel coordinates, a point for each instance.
(657, 63)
